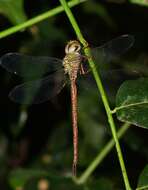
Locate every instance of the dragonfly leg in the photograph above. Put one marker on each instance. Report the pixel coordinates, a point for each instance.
(82, 70)
(86, 45)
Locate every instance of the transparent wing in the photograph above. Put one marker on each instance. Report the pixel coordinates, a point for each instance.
(112, 49)
(29, 66)
(38, 91)
(103, 55)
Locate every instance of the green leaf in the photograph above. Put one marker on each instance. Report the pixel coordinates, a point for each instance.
(143, 179)
(13, 10)
(19, 177)
(132, 102)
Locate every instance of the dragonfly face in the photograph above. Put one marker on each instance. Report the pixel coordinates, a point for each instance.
(72, 59)
(73, 46)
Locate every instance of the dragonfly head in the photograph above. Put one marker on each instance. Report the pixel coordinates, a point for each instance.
(73, 46)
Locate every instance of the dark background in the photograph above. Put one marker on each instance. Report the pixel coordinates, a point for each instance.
(44, 140)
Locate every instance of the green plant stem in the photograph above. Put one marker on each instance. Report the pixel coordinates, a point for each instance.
(140, 2)
(73, 22)
(108, 147)
(142, 188)
(37, 19)
(101, 89)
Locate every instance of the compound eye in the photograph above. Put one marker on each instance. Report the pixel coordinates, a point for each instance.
(77, 48)
(71, 48)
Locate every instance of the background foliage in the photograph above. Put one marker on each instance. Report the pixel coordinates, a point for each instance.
(40, 137)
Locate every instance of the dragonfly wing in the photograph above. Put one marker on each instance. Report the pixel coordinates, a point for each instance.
(112, 49)
(38, 91)
(29, 66)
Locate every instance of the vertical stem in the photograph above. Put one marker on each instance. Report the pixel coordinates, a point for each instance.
(100, 88)
(110, 119)
(74, 126)
(73, 22)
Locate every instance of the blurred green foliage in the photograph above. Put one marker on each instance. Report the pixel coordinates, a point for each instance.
(13, 10)
(140, 2)
(43, 138)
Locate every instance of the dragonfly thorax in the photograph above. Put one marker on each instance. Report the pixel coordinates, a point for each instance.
(72, 59)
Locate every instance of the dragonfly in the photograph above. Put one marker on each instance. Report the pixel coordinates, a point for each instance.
(38, 88)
